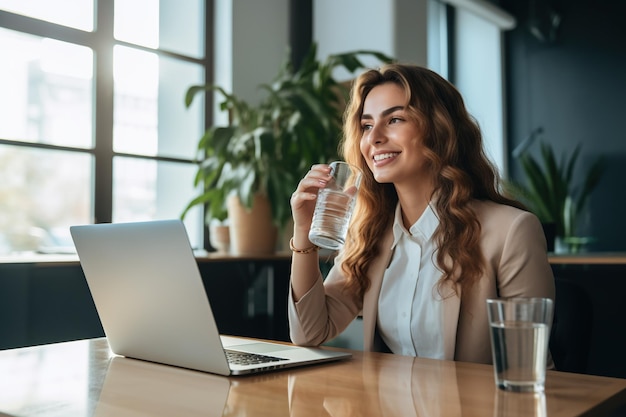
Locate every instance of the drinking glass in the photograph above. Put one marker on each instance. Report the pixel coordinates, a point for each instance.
(334, 206)
(520, 331)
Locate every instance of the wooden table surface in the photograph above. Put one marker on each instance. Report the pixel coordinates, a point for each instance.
(590, 258)
(83, 378)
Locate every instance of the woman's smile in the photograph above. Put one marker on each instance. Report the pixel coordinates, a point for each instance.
(381, 159)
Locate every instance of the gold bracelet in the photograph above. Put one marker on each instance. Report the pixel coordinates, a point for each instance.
(311, 249)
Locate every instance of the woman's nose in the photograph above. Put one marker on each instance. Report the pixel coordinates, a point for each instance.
(377, 135)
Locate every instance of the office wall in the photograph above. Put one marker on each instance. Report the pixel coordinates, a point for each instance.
(252, 37)
(251, 41)
(574, 87)
(397, 28)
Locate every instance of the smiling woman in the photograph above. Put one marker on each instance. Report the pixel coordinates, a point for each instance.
(430, 231)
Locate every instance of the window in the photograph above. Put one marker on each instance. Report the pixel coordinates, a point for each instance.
(479, 75)
(466, 46)
(93, 126)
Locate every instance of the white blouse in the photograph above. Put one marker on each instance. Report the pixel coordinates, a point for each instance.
(410, 310)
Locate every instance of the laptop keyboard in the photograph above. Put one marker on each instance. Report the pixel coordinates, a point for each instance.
(245, 358)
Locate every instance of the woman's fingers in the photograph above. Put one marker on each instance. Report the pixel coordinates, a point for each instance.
(316, 178)
(303, 198)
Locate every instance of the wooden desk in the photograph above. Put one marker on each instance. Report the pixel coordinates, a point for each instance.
(82, 378)
(591, 258)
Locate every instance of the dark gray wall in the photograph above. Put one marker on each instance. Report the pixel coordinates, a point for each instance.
(575, 88)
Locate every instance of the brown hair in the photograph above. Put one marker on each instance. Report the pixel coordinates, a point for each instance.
(461, 173)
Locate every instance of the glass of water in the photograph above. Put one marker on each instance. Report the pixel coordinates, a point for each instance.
(334, 206)
(520, 332)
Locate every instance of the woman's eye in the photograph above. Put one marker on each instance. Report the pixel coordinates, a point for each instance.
(394, 120)
(366, 127)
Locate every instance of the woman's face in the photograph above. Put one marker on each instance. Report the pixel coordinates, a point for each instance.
(391, 142)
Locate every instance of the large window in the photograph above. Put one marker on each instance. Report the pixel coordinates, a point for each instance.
(93, 126)
(465, 45)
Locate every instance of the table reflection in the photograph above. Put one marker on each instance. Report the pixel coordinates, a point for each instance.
(409, 387)
(260, 395)
(35, 381)
(393, 385)
(522, 404)
(387, 386)
(159, 390)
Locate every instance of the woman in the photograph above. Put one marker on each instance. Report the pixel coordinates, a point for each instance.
(431, 237)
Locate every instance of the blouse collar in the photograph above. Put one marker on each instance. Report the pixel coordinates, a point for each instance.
(422, 230)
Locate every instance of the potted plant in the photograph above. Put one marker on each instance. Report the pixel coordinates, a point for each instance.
(551, 193)
(261, 155)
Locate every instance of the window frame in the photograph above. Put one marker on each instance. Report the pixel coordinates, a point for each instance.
(102, 42)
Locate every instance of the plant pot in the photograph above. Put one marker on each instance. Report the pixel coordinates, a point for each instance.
(560, 246)
(573, 244)
(219, 236)
(252, 232)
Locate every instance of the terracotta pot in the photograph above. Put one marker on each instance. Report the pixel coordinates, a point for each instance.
(252, 232)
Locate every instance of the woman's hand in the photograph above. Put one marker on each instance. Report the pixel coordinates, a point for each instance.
(305, 268)
(303, 199)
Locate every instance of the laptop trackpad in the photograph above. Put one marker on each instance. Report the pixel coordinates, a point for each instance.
(261, 347)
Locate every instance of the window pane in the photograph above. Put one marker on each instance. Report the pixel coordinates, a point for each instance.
(43, 192)
(166, 24)
(478, 56)
(73, 13)
(131, 15)
(150, 117)
(150, 190)
(47, 90)
(135, 85)
(180, 128)
(182, 27)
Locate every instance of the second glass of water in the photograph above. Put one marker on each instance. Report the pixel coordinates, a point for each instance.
(334, 206)
(520, 332)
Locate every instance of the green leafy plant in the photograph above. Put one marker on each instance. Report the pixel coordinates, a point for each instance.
(550, 191)
(267, 148)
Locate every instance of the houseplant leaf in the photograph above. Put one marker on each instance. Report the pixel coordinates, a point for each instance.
(551, 192)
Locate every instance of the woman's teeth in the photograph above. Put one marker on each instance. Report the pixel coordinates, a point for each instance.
(382, 156)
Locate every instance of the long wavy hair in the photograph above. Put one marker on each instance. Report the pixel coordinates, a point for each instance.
(460, 170)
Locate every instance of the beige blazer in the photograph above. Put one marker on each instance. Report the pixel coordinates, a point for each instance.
(514, 248)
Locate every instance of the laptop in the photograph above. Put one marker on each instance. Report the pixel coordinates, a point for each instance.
(149, 295)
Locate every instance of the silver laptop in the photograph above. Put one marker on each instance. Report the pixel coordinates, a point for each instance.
(149, 294)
